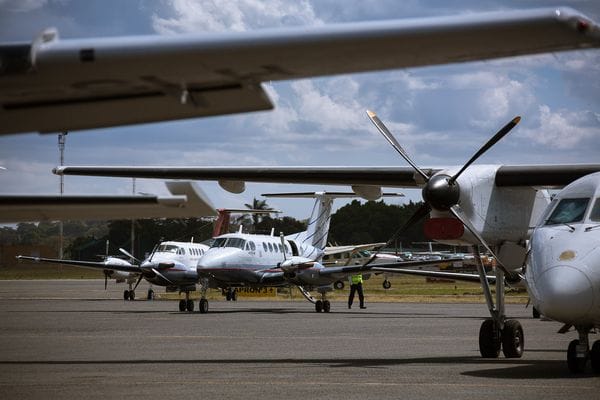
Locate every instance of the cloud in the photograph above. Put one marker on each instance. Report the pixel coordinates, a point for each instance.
(564, 129)
(22, 6)
(242, 15)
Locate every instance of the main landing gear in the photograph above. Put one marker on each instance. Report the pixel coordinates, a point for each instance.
(187, 304)
(203, 304)
(323, 304)
(579, 353)
(129, 294)
(498, 332)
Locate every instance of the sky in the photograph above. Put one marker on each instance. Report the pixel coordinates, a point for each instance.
(440, 114)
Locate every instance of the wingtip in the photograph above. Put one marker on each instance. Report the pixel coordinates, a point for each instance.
(371, 114)
(516, 120)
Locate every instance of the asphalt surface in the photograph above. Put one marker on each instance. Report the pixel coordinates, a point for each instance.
(71, 339)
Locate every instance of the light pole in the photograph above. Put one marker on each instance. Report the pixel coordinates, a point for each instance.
(61, 147)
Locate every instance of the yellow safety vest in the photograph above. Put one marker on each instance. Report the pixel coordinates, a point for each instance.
(356, 279)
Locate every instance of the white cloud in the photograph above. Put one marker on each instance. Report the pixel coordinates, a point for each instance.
(564, 129)
(217, 16)
(22, 5)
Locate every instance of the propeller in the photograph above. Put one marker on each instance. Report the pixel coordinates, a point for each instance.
(129, 255)
(442, 192)
(105, 280)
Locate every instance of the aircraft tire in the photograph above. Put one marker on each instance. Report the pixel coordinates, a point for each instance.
(326, 306)
(489, 340)
(386, 284)
(203, 306)
(126, 295)
(595, 357)
(536, 313)
(131, 295)
(150, 294)
(319, 306)
(228, 295)
(182, 305)
(189, 305)
(233, 295)
(339, 285)
(576, 365)
(513, 340)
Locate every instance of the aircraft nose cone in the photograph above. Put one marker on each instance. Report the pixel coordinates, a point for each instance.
(566, 293)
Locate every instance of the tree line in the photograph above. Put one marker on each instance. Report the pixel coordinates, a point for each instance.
(354, 223)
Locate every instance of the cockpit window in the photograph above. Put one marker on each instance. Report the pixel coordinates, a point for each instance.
(229, 242)
(219, 242)
(568, 211)
(595, 214)
(167, 248)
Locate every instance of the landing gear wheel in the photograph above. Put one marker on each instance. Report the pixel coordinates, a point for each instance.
(190, 305)
(595, 357)
(326, 306)
(513, 340)
(203, 306)
(182, 305)
(319, 306)
(489, 339)
(150, 294)
(131, 295)
(387, 284)
(234, 295)
(576, 364)
(536, 313)
(228, 295)
(339, 285)
(126, 295)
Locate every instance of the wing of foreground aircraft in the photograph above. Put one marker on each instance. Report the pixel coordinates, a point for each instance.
(187, 200)
(358, 177)
(54, 85)
(103, 265)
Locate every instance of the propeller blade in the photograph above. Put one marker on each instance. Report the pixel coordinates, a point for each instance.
(392, 140)
(421, 213)
(499, 135)
(459, 214)
(128, 254)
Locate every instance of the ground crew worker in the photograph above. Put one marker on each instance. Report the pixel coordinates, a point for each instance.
(356, 286)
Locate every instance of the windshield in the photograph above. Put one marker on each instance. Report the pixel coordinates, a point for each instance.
(568, 211)
(229, 242)
(167, 248)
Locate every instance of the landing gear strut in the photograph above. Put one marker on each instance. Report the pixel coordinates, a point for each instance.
(498, 332)
(323, 304)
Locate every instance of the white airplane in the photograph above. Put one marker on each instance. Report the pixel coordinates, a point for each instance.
(239, 260)
(55, 85)
(171, 264)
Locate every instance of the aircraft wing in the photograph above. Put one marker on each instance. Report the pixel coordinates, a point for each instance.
(85, 264)
(435, 274)
(507, 175)
(187, 201)
(330, 250)
(53, 85)
(382, 267)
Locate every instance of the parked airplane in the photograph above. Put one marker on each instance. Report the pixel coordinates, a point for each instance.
(53, 85)
(171, 264)
(239, 260)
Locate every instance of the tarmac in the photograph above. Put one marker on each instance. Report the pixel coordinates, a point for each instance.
(71, 339)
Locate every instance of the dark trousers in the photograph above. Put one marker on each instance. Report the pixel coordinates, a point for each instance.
(361, 297)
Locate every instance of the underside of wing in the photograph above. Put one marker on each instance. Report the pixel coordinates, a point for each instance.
(57, 85)
(83, 264)
(187, 201)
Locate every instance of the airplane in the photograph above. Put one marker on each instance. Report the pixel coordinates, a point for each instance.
(171, 264)
(488, 205)
(253, 260)
(56, 85)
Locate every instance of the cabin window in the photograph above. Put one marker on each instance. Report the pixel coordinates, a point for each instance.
(270, 247)
(568, 211)
(595, 214)
(252, 246)
(265, 246)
